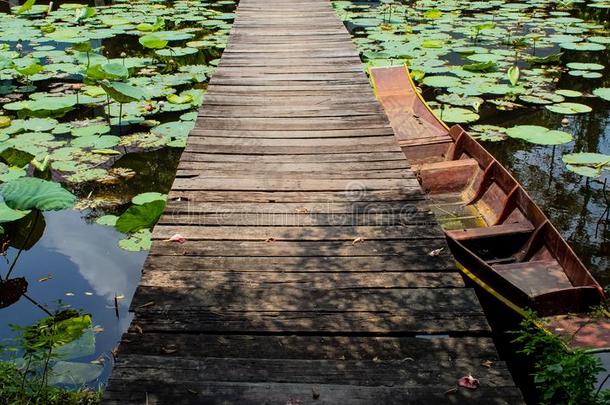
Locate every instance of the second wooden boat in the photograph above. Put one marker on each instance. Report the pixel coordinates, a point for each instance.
(501, 239)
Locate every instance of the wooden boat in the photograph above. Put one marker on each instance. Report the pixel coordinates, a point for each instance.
(500, 238)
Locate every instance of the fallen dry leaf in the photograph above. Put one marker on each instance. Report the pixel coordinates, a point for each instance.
(302, 210)
(357, 240)
(169, 349)
(268, 240)
(177, 238)
(469, 382)
(43, 279)
(436, 252)
(487, 363)
(138, 329)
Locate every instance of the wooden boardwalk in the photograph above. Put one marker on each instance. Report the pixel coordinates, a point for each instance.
(307, 276)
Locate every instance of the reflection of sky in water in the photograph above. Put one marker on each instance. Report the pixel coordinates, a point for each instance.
(93, 250)
(80, 258)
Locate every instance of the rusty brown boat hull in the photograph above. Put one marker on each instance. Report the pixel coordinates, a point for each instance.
(514, 250)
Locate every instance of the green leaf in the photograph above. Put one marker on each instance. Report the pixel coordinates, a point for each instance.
(30, 69)
(115, 71)
(27, 6)
(513, 75)
(140, 217)
(152, 42)
(107, 220)
(7, 214)
(569, 108)
(144, 198)
(141, 240)
(539, 135)
(28, 192)
(16, 157)
(480, 67)
(122, 92)
(603, 92)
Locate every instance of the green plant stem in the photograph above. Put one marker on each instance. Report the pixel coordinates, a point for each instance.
(27, 239)
(25, 374)
(37, 304)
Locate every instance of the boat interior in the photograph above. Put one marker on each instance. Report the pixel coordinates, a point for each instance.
(490, 221)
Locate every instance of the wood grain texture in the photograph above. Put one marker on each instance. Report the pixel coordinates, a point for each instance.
(314, 271)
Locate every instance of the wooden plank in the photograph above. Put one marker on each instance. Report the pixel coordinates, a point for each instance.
(416, 250)
(302, 280)
(299, 233)
(312, 265)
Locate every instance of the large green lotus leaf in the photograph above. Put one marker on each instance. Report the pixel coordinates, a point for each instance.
(138, 217)
(541, 98)
(600, 40)
(456, 115)
(107, 220)
(584, 170)
(16, 157)
(603, 92)
(122, 92)
(569, 93)
(176, 51)
(95, 129)
(584, 66)
(539, 135)
(7, 214)
(585, 74)
(39, 124)
(115, 71)
(587, 159)
(153, 41)
(441, 81)
(27, 193)
(582, 46)
(144, 198)
(141, 240)
(176, 129)
(72, 373)
(569, 108)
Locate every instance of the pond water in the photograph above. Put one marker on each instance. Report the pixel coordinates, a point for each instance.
(73, 259)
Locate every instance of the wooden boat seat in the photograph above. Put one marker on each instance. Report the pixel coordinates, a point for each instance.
(447, 176)
(535, 277)
(491, 231)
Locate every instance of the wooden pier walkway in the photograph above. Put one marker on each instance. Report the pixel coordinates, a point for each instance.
(312, 273)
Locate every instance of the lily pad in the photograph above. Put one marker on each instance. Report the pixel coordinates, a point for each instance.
(539, 135)
(569, 108)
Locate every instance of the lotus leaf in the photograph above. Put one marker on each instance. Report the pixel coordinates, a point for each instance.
(28, 193)
(141, 240)
(143, 216)
(539, 135)
(569, 108)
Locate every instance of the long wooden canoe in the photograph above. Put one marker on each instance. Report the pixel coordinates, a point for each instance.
(500, 238)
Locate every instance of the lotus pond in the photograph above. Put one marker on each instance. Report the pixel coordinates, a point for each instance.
(96, 102)
(529, 79)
